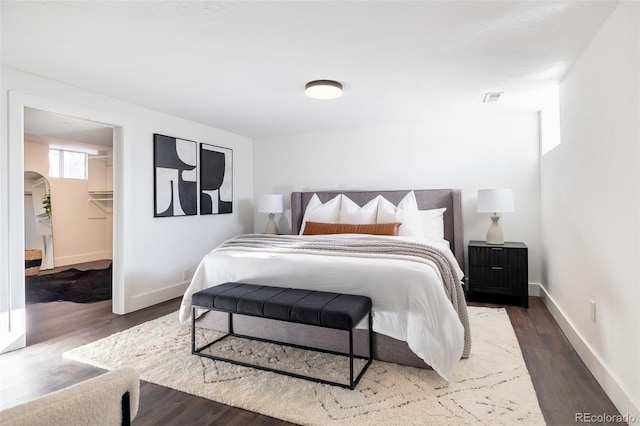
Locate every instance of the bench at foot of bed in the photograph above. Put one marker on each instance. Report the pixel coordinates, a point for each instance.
(318, 308)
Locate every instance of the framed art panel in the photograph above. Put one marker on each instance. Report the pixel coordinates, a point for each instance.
(216, 179)
(175, 176)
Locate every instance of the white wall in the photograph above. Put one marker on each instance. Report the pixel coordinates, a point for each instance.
(488, 152)
(154, 252)
(591, 211)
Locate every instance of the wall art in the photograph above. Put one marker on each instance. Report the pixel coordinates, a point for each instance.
(175, 176)
(216, 179)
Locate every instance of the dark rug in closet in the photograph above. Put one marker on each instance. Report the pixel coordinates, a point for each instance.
(72, 285)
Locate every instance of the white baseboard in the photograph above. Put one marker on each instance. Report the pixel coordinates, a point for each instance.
(534, 289)
(620, 397)
(81, 258)
(144, 300)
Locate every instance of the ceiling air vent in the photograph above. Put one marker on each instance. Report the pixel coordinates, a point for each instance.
(492, 97)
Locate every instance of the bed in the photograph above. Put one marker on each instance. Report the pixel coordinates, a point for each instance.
(420, 317)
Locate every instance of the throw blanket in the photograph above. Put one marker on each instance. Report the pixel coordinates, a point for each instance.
(365, 246)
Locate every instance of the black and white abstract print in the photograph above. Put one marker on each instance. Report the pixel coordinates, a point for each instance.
(176, 176)
(216, 179)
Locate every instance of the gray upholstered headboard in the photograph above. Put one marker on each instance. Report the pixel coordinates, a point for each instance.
(426, 198)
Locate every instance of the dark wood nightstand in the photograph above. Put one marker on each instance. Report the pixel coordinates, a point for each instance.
(500, 269)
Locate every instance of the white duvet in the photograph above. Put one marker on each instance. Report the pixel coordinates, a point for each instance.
(409, 301)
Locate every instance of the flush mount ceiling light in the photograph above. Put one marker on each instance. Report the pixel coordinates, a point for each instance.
(323, 89)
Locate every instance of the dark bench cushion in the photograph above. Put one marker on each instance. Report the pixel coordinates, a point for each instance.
(333, 310)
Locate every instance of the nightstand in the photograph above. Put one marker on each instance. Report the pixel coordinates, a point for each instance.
(500, 269)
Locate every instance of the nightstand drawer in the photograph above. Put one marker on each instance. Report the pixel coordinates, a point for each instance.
(498, 256)
(498, 277)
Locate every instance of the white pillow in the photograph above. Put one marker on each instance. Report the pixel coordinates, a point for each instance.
(316, 211)
(405, 212)
(433, 223)
(352, 213)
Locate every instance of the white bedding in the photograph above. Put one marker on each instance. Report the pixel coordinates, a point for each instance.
(409, 301)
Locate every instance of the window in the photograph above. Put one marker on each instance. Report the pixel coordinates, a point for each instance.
(67, 164)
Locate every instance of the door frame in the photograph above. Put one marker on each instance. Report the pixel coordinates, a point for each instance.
(12, 284)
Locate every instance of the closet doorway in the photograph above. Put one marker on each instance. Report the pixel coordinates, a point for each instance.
(75, 158)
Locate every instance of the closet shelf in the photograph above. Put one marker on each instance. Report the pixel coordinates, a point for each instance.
(103, 203)
(102, 199)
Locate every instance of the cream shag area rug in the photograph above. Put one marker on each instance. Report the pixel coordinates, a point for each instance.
(491, 387)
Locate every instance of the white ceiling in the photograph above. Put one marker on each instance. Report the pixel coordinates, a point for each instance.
(242, 66)
(51, 128)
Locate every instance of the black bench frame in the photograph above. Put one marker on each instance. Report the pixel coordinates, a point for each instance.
(352, 382)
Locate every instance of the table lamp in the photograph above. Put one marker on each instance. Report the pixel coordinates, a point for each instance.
(272, 204)
(495, 201)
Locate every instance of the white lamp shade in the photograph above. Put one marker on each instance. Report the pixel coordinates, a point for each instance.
(271, 203)
(495, 201)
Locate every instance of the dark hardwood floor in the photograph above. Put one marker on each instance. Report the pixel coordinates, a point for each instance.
(562, 382)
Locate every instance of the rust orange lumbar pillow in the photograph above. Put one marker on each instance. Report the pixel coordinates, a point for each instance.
(321, 228)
